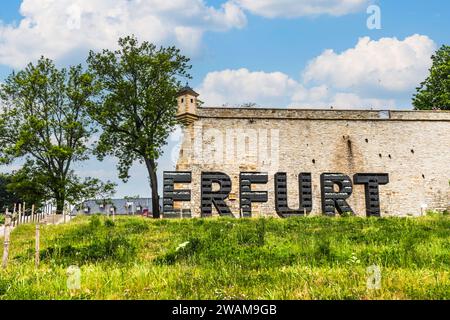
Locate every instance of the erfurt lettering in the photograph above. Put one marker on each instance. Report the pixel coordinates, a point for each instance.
(336, 189)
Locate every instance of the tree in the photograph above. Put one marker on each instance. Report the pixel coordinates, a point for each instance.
(434, 92)
(7, 198)
(24, 185)
(45, 122)
(28, 185)
(137, 105)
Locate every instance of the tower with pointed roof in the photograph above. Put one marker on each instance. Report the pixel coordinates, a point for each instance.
(187, 105)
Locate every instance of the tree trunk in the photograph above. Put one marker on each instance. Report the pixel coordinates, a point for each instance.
(59, 205)
(151, 167)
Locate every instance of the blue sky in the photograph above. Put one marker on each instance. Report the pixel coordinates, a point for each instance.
(279, 53)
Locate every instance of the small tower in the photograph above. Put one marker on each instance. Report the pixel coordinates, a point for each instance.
(187, 105)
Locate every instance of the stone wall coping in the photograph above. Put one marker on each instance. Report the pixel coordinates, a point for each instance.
(322, 114)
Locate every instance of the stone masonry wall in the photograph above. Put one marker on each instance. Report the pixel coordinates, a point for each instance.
(412, 147)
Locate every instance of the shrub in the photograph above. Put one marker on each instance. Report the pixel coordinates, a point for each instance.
(95, 222)
(323, 252)
(109, 223)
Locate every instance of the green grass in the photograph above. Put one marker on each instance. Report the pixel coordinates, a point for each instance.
(298, 258)
(2, 219)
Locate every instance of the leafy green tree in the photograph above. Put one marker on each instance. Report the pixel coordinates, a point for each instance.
(137, 104)
(29, 185)
(434, 92)
(45, 122)
(7, 198)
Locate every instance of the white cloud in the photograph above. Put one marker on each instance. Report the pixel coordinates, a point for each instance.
(388, 64)
(276, 89)
(240, 86)
(373, 74)
(299, 8)
(57, 28)
(323, 97)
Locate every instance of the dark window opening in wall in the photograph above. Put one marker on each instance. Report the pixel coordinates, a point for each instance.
(182, 100)
(412, 150)
(314, 161)
(367, 140)
(423, 176)
(192, 100)
(380, 155)
(390, 157)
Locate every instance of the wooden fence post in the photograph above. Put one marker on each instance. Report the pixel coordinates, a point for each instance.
(24, 219)
(13, 215)
(32, 213)
(6, 240)
(36, 255)
(19, 213)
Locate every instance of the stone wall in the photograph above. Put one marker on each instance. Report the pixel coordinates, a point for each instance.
(413, 147)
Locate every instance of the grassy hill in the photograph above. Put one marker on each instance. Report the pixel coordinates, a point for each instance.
(299, 258)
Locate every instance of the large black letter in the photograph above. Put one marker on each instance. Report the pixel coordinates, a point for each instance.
(247, 196)
(170, 194)
(281, 199)
(371, 181)
(217, 197)
(332, 201)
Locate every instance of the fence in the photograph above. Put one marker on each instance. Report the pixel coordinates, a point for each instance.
(22, 215)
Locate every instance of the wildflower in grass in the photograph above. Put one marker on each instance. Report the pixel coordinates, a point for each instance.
(353, 260)
(182, 245)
